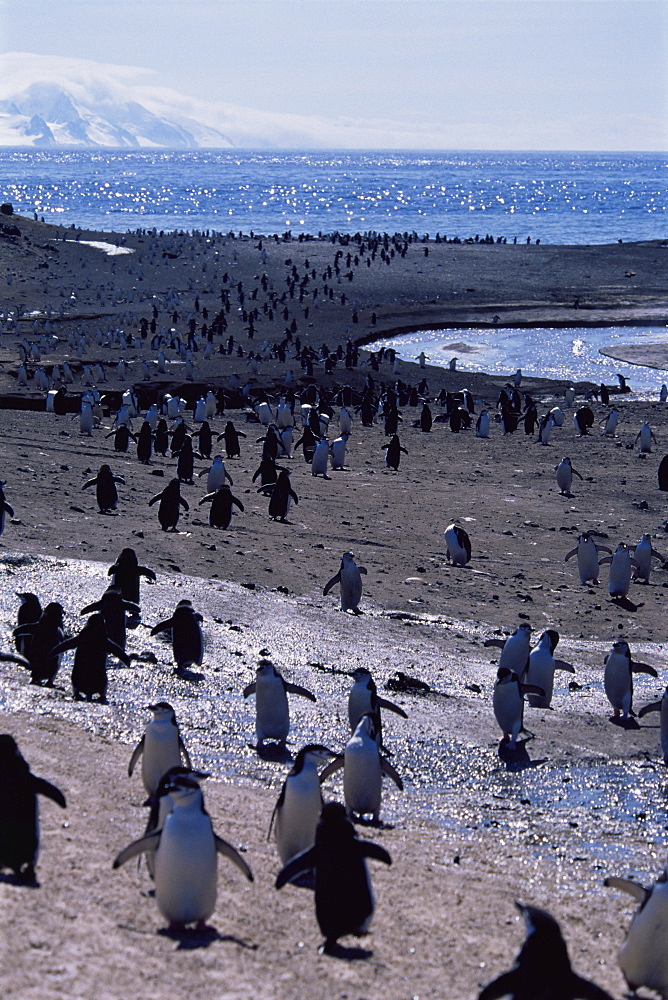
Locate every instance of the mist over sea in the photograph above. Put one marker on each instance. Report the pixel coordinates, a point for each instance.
(559, 198)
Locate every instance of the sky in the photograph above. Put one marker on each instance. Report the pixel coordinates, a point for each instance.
(511, 74)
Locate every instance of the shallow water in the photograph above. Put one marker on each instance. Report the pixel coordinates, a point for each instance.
(558, 353)
(453, 776)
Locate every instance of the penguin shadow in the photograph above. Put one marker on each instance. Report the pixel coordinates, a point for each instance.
(190, 939)
(277, 753)
(23, 881)
(626, 604)
(630, 723)
(375, 824)
(185, 674)
(518, 759)
(353, 954)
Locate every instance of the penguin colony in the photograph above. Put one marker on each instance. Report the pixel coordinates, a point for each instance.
(311, 836)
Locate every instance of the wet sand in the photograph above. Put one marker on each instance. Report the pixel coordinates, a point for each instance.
(445, 921)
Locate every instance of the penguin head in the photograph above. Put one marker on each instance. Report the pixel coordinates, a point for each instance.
(552, 638)
(313, 753)
(333, 826)
(53, 613)
(541, 923)
(347, 557)
(266, 668)
(621, 647)
(506, 676)
(162, 710)
(184, 790)
(369, 723)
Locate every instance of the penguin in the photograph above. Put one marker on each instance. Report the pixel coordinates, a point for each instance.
(569, 396)
(126, 572)
(642, 957)
(662, 475)
(105, 489)
(610, 423)
(187, 640)
(160, 748)
(565, 473)
(337, 450)
(272, 712)
(643, 554)
(145, 443)
(662, 707)
(645, 435)
(344, 902)
(44, 634)
(19, 817)
(267, 472)
(663, 393)
(161, 804)
(545, 429)
(542, 968)
(281, 495)
(89, 671)
(185, 858)
(363, 768)
(5, 508)
(426, 420)
(170, 501)
(308, 443)
(622, 565)
(204, 440)
(349, 579)
(231, 436)
(161, 441)
(319, 460)
(221, 501)
(515, 649)
(583, 418)
(186, 462)
(482, 425)
(619, 668)
(113, 608)
(458, 545)
(216, 475)
(587, 552)
(393, 453)
(121, 436)
(363, 698)
(542, 666)
(299, 804)
(508, 704)
(29, 613)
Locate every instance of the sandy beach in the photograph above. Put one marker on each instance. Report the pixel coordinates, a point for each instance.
(445, 921)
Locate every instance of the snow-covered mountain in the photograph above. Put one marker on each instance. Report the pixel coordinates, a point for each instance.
(57, 101)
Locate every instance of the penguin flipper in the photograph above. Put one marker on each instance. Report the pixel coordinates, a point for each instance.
(91, 482)
(605, 559)
(387, 769)
(148, 573)
(300, 863)
(655, 706)
(114, 648)
(639, 892)
(564, 665)
(238, 503)
(97, 606)
(136, 754)
(328, 586)
(184, 752)
(44, 787)
(383, 703)
(643, 668)
(334, 765)
(162, 626)
(155, 499)
(500, 643)
(370, 850)
(184, 503)
(207, 499)
(570, 554)
(298, 689)
(249, 690)
(137, 847)
(584, 989)
(503, 985)
(62, 647)
(15, 658)
(222, 847)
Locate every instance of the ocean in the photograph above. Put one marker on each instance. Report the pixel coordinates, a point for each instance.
(559, 198)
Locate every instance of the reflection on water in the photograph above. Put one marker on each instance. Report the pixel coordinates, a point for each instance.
(554, 352)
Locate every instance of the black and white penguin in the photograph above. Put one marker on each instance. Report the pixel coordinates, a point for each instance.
(186, 850)
(170, 501)
(542, 967)
(308, 442)
(642, 957)
(29, 613)
(160, 748)
(161, 440)
(145, 443)
(126, 572)
(221, 501)
(299, 804)
(44, 634)
(281, 496)
(89, 670)
(660, 706)
(113, 607)
(565, 473)
(508, 703)
(187, 639)
(344, 902)
(393, 453)
(121, 436)
(622, 565)
(19, 820)
(272, 711)
(643, 554)
(105, 489)
(645, 436)
(231, 436)
(515, 649)
(482, 425)
(5, 508)
(619, 668)
(458, 545)
(662, 474)
(583, 418)
(364, 698)
(349, 579)
(363, 768)
(542, 665)
(587, 552)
